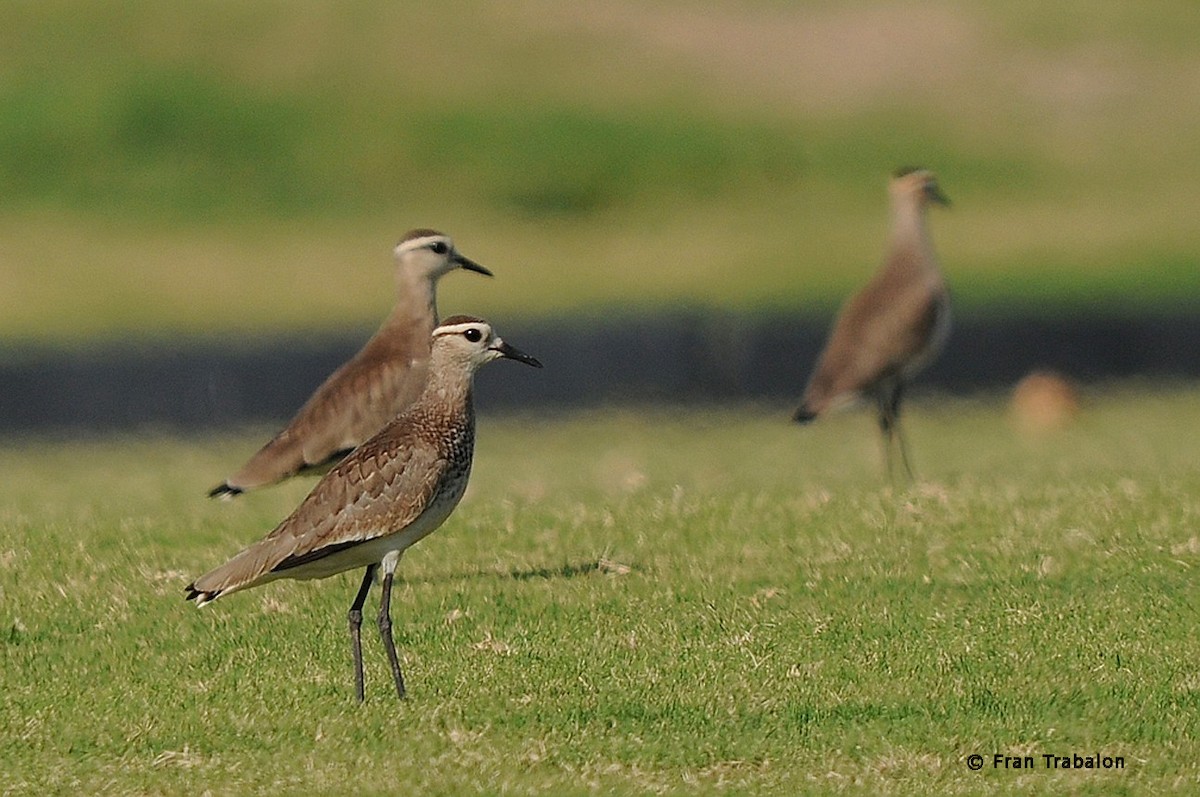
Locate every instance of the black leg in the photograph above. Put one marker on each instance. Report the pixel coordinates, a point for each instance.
(889, 423)
(898, 431)
(904, 454)
(385, 633)
(887, 427)
(355, 625)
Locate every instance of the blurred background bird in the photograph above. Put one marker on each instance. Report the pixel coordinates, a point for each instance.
(888, 331)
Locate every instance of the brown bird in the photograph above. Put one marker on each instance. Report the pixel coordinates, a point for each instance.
(388, 494)
(891, 329)
(371, 388)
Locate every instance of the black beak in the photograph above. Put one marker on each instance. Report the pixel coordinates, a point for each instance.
(513, 353)
(471, 265)
(935, 195)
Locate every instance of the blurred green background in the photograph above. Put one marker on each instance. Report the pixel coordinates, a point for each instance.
(221, 168)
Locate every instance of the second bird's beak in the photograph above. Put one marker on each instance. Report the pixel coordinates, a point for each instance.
(471, 265)
(935, 195)
(513, 353)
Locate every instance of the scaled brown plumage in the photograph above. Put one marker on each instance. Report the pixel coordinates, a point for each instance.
(386, 495)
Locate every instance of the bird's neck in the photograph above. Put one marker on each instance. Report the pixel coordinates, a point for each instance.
(909, 232)
(450, 383)
(446, 412)
(908, 223)
(416, 297)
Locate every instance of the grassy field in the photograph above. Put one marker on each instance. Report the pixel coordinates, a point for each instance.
(204, 169)
(659, 601)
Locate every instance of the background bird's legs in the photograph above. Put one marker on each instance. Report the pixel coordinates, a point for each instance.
(355, 626)
(888, 398)
(385, 621)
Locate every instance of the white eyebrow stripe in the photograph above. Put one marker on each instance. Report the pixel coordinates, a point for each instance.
(418, 243)
(458, 329)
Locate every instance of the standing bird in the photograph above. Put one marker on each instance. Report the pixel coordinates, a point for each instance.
(389, 493)
(371, 388)
(893, 327)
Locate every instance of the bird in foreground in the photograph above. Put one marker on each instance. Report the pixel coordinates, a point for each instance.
(371, 388)
(388, 494)
(891, 329)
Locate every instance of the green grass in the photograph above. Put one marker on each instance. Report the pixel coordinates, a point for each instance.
(679, 601)
(207, 167)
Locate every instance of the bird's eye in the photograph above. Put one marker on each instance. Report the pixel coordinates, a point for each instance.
(473, 335)
(439, 247)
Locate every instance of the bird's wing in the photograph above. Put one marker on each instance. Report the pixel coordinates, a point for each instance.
(380, 488)
(875, 334)
(889, 340)
(346, 412)
(351, 405)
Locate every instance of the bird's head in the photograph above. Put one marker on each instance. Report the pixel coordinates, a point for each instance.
(917, 184)
(472, 342)
(431, 254)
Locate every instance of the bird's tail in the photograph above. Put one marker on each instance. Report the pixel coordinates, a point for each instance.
(251, 567)
(200, 596)
(225, 491)
(803, 414)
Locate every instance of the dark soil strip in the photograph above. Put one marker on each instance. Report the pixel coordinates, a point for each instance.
(676, 358)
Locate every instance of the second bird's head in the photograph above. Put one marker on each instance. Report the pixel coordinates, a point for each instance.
(429, 253)
(472, 342)
(919, 183)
